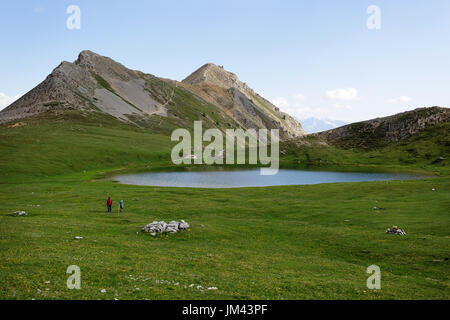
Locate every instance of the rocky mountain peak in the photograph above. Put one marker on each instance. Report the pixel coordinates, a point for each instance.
(87, 57)
(215, 75)
(97, 83)
(250, 109)
(104, 66)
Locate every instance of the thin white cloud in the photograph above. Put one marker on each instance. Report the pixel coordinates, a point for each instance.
(280, 102)
(342, 107)
(300, 110)
(299, 97)
(343, 94)
(311, 112)
(401, 99)
(6, 100)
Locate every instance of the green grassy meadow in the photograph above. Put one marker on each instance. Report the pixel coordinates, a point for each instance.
(293, 242)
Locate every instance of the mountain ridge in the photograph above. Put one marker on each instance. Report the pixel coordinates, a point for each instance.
(237, 99)
(95, 83)
(381, 131)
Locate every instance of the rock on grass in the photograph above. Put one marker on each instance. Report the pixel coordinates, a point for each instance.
(163, 227)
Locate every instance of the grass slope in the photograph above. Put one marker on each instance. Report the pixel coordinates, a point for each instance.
(288, 242)
(418, 152)
(40, 148)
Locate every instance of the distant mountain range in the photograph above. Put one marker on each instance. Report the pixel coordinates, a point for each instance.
(313, 125)
(95, 84)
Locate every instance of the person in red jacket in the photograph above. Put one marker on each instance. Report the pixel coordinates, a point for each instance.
(109, 204)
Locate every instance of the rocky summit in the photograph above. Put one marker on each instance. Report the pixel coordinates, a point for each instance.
(239, 101)
(96, 85)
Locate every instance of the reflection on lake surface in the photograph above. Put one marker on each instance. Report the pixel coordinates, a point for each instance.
(250, 178)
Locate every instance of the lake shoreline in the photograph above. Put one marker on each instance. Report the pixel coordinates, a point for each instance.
(219, 177)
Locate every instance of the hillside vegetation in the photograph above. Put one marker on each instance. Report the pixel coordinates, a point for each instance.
(381, 132)
(94, 117)
(293, 242)
(427, 150)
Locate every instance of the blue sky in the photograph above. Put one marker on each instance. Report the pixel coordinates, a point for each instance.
(312, 58)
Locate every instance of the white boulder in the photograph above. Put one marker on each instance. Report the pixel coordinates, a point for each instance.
(162, 227)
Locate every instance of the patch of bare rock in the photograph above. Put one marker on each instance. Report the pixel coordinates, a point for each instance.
(396, 230)
(162, 227)
(19, 213)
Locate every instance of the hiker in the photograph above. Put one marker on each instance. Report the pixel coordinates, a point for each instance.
(109, 204)
(121, 205)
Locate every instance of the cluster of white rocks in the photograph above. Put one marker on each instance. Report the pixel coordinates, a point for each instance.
(396, 230)
(19, 213)
(163, 227)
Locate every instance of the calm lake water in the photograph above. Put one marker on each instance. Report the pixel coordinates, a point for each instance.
(250, 178)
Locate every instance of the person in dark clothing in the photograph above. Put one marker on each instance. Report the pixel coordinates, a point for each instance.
(109, 204)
